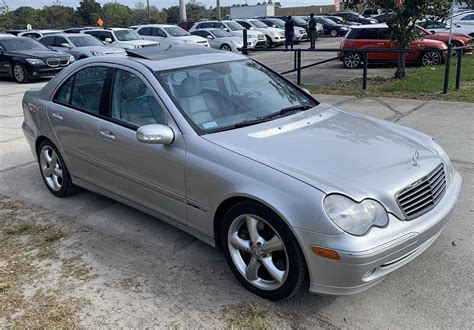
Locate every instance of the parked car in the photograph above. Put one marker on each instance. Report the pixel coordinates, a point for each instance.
(371, 12)
(331, 28)
(169, 35)
(221, 39)
(25, 59)
(33, 34)
(340, 20)
(444, 27)
(275, 36)
(300, 33)
(355, 17)
(233, 28)
(186, 25)
(426, 52)
(224, 148)
(464, 18)
(79, 29)
(457, 39)
(79, 45)
(297, 21)
(383, 18)
(319, 27)
(121, 38)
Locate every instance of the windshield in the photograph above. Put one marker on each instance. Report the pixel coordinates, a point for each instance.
(234, 26)
(16, 44)
(127, 35)
(176, 31)
(216, 97)
(220, 33)
(299, 20)
(278, 22)
(85, 41)
(258, 24)
(327, 21)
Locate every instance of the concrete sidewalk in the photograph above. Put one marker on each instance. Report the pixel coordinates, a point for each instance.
(183, 282)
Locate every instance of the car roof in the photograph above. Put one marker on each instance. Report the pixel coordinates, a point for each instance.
(8, 36)
(154, 25)
(370, 26)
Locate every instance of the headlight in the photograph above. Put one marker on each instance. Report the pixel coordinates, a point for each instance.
(444, 156)
(95, 53)
(35, 61)
(344, 28)
(71, 59)
(355, 218)
(188, 42)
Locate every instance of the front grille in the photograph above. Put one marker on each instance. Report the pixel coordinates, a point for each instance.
(52, 62)
(423, 195)
(64, 62)
(150, 45)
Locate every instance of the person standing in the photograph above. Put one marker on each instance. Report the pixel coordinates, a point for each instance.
(289, 33)
(313, 33)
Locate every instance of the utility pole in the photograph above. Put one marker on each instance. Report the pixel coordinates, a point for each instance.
(218, 9)
(182, 10)
(148, 9)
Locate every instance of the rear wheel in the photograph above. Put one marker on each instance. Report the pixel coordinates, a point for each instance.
(352, 60)
(262, 252)
(54, 172)
(334, 33)
(269, 42)
(226, 47)
(431, 58)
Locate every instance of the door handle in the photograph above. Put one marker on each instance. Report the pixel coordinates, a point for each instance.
(58, 116)
(107, 135)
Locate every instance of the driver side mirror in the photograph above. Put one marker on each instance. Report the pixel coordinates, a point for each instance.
(155, 134)
(65, 45)
(433, 32)
(108, 40)
(210, 37)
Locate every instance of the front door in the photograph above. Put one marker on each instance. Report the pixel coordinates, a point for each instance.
(150, 175)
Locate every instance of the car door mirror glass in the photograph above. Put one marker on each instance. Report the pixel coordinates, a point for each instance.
(108, 40)
(155, 134)
(210, 37)
(65, 45)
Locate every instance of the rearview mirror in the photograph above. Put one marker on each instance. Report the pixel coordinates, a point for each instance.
(108, 40)
(155, 134)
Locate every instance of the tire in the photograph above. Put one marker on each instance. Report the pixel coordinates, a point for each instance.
(269, 43)
(431, 58)
(20, 74)
(226, 47)
(54, 172)
(272, 250)
(352, 60)
(455, 52)
(334, 33)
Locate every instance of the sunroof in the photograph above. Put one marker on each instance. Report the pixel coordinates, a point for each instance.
(164, 52)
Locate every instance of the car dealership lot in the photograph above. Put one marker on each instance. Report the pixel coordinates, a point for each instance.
(149, 273)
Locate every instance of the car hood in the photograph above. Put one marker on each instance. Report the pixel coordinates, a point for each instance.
(445, 35)
(337, 151)
(39, 53)
(194, 39)
(139, 42)
(104, 49)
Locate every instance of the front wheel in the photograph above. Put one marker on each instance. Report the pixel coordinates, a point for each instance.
(262, 252)
(226, 47)
(334, 33)
(269, 42)
(431, 58)
(352, 60)
(20, 74)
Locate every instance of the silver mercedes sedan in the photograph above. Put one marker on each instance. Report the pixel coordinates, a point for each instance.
(219, 145)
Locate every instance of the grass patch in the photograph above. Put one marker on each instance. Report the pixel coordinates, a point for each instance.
(250, 316)
(424, 83)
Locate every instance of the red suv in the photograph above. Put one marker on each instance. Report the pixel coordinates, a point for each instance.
(426, 52)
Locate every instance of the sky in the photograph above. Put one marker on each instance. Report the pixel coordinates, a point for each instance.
(13, 4)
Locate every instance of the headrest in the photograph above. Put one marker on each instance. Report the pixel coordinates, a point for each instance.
(191, 86)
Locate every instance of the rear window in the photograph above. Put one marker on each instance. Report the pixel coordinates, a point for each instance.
(366, 34)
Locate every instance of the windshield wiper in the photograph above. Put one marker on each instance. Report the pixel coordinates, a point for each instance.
(284, 111)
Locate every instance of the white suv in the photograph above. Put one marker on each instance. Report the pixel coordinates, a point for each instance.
(169, 35)
(274, 36)
(119, 37)
(233, 28)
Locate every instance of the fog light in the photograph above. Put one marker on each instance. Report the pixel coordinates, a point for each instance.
(326, 253)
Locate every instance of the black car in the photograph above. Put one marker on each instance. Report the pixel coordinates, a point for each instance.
(355, 17)
(383, 18)
(25, 59)
(297, 21)
(331, 28)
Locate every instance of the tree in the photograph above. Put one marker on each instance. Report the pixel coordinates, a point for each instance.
(116, 15)
(59, 17)
(23, 16)
(89, 11)
(140, 14)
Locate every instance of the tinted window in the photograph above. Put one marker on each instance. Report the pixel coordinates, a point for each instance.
(87, 89)
(105, 34)
(468, 18)
(59, 41)
(363, 34)
(16, 44)
(63, 95)
(384, 34)
(133, 102)
(245, 24)
(203, 34)
(159, 33)
(145, 32)
(47, 41)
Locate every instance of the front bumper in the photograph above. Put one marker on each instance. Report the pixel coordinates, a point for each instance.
(367, 259)
(43, 70)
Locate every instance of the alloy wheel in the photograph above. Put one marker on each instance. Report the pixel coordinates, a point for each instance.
(226, 47)
(431, 58)
(19, 73)
(333, 33)
(352, 60)
(51, 168)
(258, 252)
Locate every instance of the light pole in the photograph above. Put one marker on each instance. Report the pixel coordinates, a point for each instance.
(182, 10)
(148, 9)
(218, 9)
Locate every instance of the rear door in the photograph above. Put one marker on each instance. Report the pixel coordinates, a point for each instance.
(75, 114)
(151, 175)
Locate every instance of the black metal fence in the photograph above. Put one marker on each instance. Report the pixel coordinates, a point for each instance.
(297, 54)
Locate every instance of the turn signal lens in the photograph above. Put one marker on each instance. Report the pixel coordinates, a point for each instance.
(326, 253)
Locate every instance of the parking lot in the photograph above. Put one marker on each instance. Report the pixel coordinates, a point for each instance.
(115, 266)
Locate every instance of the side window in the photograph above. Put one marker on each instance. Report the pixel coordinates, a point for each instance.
(87, 89)
(159, 33)
(218, 25)
(145, 32)
(371, 34)
(47, 41)
(245, 24)
(63, 95)
(384, 34)
(59, 41)
(468, 18)
(132, 101)
(203, 34)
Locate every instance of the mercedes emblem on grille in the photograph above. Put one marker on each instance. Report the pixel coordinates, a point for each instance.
(416, 156)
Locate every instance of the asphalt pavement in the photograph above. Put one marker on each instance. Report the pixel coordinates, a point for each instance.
(186, 283)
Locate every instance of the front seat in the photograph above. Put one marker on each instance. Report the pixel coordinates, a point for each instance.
(193, 102)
